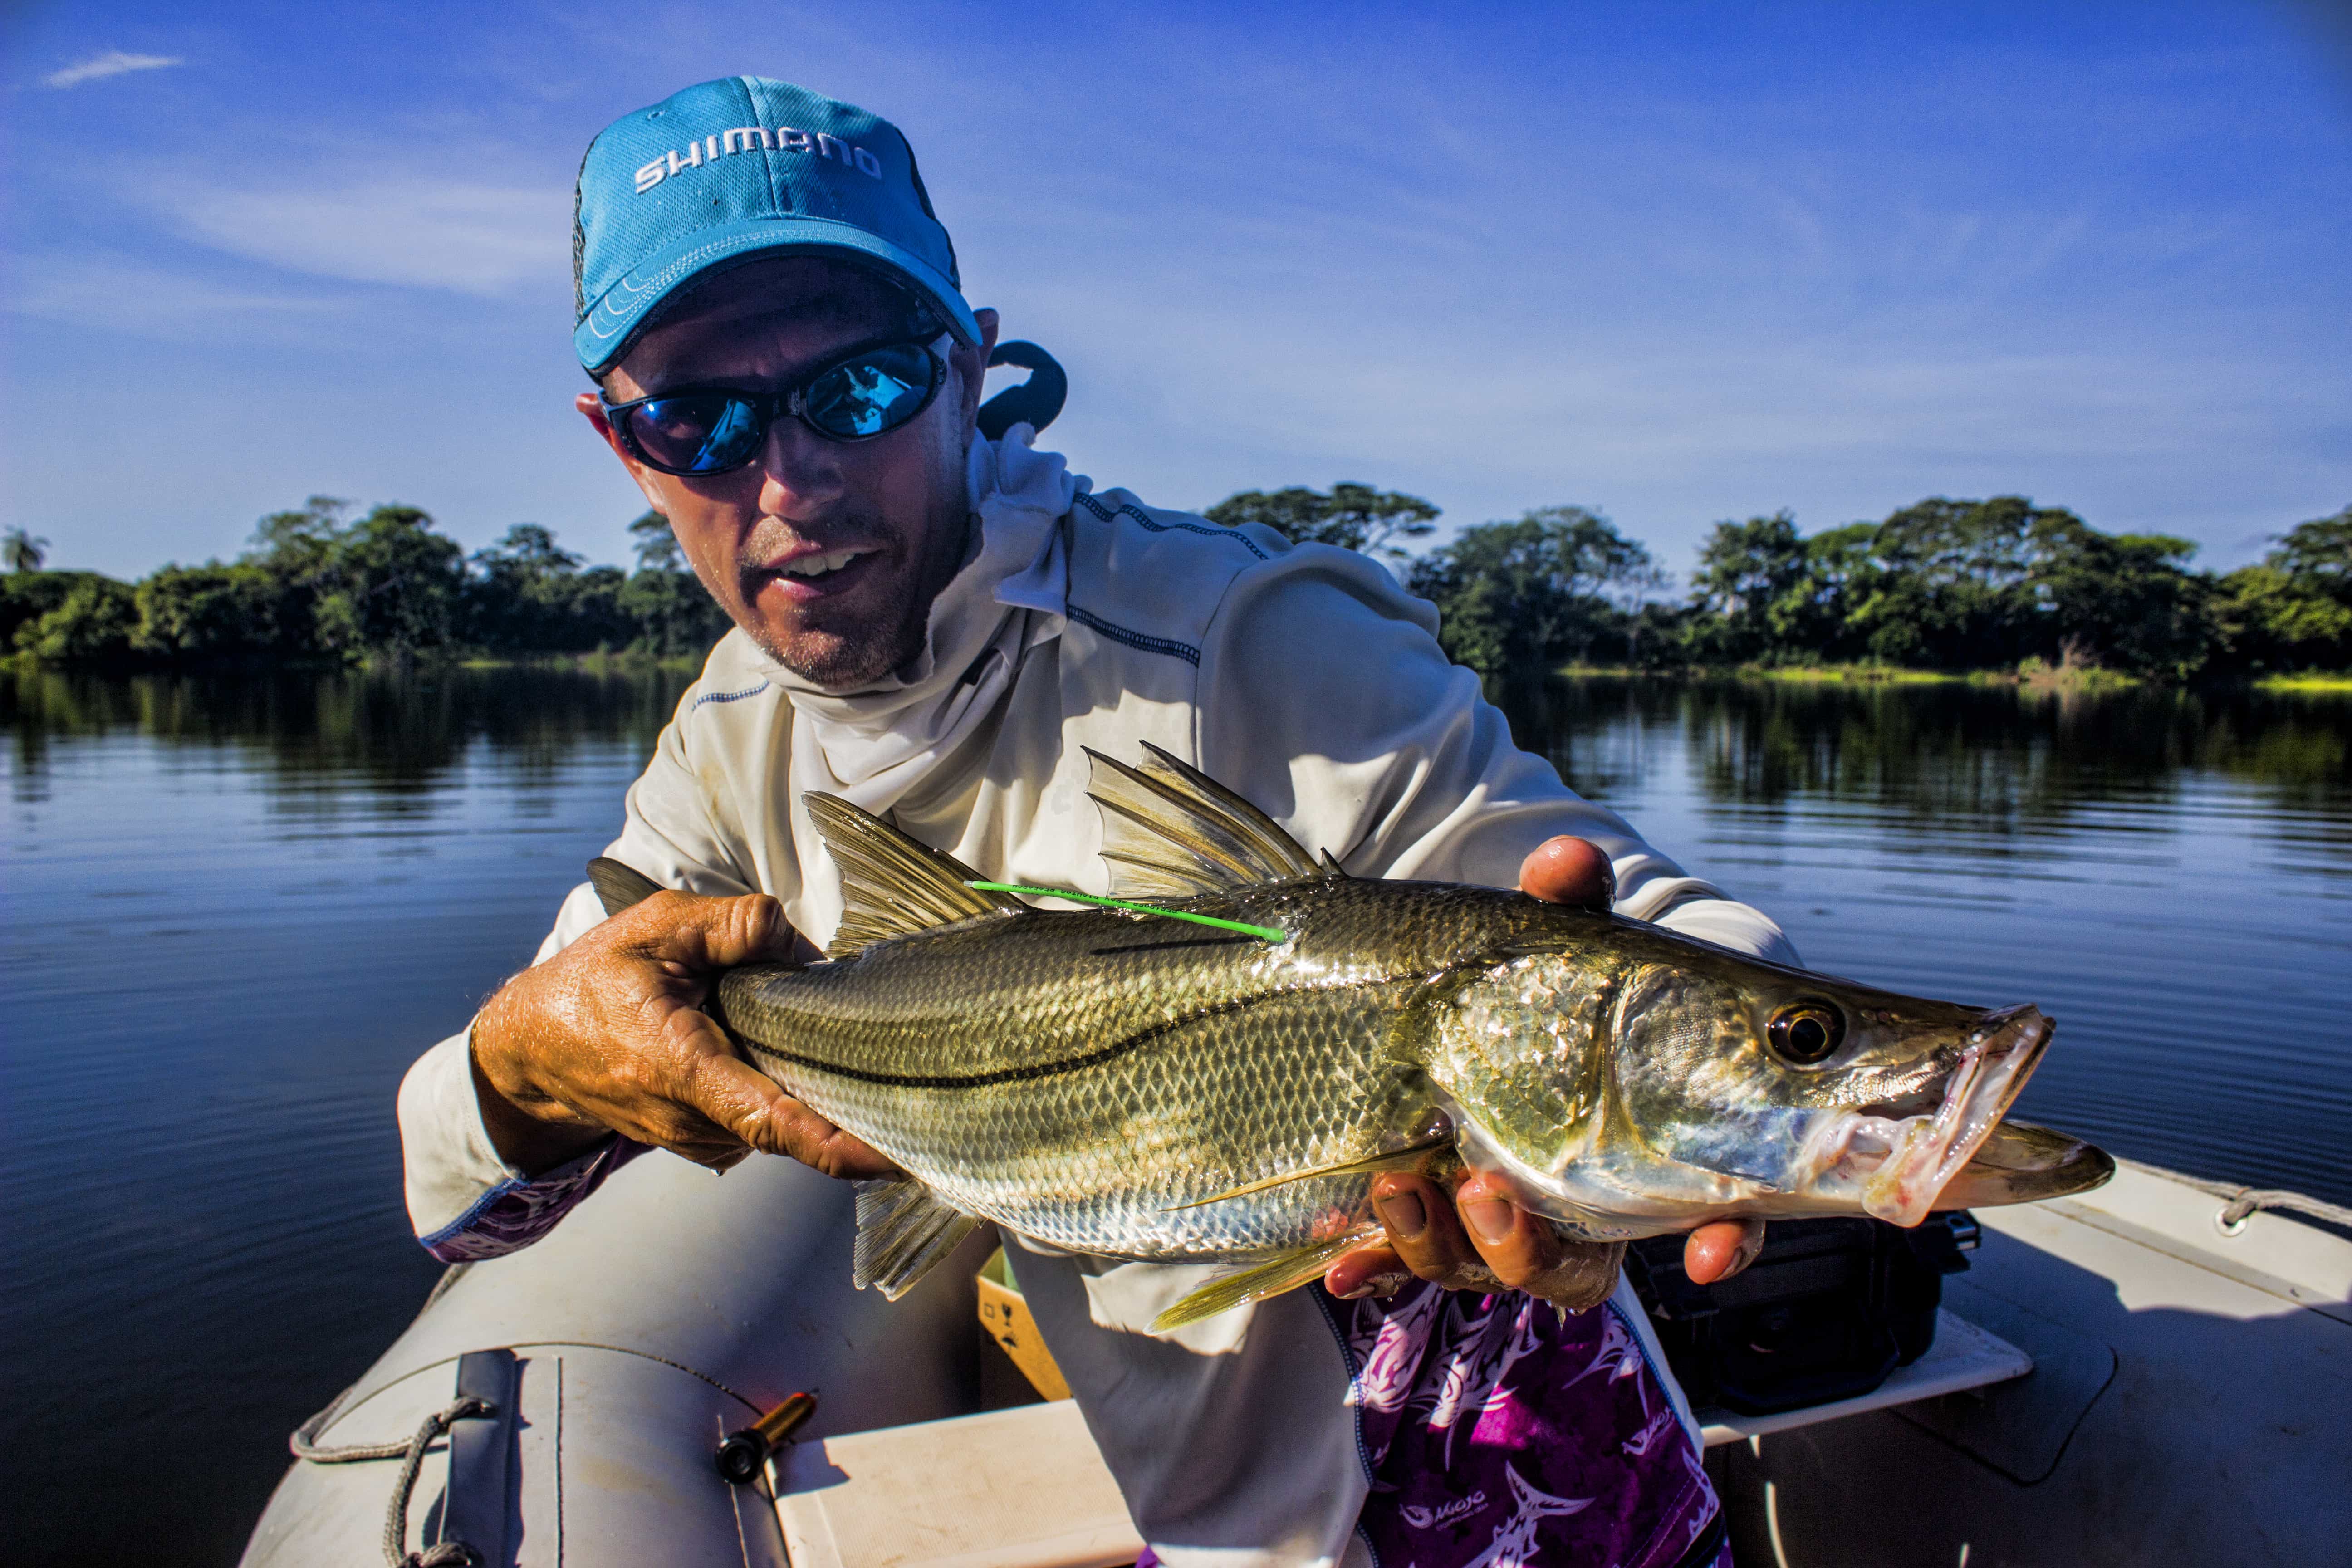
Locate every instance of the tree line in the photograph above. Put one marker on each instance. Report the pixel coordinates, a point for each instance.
(318, 584)
(1998, 585)
(1941, 584)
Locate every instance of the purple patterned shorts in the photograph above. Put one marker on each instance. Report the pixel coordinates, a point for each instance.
(1499, 1434)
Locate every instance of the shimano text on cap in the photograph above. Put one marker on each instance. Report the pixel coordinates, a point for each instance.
(741, 167)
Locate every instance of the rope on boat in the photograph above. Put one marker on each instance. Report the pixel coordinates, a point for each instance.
(2250, 1200)
(2240, 1204)
(445, 1554)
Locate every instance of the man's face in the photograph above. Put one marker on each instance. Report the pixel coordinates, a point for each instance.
(896, 504)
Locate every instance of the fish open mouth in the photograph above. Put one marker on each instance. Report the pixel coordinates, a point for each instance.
(1898, 1166)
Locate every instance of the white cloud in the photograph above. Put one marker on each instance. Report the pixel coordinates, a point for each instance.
(118, 293)
(114, 62)
(469, 238)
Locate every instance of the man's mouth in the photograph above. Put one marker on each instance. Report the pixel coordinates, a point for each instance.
(818, 573)
(819, 565)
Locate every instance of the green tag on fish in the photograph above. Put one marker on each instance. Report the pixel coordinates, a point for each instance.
(1264, 933)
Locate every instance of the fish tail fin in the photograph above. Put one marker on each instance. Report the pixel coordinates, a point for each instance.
(903, 1232)
(892, 885)
(618, 884)
(1287, 1271)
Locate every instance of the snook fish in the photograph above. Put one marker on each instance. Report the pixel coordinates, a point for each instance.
(1137, 1083)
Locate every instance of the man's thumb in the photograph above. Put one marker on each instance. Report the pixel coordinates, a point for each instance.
(720, 933)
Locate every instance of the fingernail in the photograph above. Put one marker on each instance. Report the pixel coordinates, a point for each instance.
(1750, 1246)
(1404, 1214)
(1489, 1219)
(1359, 1293)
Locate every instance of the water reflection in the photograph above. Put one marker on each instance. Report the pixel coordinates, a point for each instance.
(392, 733)
(1942, 750)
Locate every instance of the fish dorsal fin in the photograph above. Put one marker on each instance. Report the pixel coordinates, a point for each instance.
(1170, 831)
(890, 884)
(618, 884)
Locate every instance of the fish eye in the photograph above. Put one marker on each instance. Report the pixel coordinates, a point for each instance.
(1805, 1034)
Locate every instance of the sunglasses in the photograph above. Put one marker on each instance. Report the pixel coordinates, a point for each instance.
(695, 431)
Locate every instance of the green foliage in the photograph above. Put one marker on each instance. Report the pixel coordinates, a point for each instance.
(320, 585)
(207, 611)
(391, 588)
(1349, 515)
(1944, 584)
(90, 622)
(1516, 597)
(656, 547)
(663, 600)
(24, 552)
(2120, 602)
(2319, 555)
(27, 596)
(528, 594)
(2294, 612)
(1989, 584)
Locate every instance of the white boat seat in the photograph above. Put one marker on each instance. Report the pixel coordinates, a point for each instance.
(1026, 1488)
(1023, 1488)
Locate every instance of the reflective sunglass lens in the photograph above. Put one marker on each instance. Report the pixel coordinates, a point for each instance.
(873, 392)
(700, 434)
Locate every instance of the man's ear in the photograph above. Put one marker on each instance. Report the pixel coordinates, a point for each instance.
(591, 408)
(971, 364)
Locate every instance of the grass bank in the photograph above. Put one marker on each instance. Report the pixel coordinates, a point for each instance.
(2031, 674)
(601, 662)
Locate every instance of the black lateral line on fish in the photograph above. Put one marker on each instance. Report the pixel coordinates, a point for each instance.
(1068, 1064)
(1234, 941)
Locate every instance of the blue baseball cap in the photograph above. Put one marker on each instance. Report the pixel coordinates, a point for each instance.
(740, 168)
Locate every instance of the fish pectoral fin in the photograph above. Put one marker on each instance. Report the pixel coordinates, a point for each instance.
(1409, 1158)
(1286, 1272)
(891, 885)
(618, 884)
(1170, 831)
(903, 1232)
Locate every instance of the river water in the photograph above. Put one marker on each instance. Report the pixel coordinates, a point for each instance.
(235, 909)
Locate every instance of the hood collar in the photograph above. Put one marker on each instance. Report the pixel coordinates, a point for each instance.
(1008, 594)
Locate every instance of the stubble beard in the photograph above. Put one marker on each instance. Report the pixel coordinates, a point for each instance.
(843, 654)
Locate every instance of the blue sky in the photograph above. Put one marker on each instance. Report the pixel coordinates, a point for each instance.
(1678, 262)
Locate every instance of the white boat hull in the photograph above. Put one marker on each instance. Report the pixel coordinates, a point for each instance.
(2187, 1405)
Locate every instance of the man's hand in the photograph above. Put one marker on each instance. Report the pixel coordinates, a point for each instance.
(1476, 1237)
(605, 1037)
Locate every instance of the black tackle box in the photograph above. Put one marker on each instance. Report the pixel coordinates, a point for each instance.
(1827, 1310)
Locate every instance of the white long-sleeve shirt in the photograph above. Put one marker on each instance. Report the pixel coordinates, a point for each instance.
(1301, 675)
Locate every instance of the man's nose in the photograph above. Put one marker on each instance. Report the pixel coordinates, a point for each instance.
(800, 471)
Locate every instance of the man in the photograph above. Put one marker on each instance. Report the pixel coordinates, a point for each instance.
(934, 624)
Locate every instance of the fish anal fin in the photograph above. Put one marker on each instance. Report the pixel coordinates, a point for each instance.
(1413, 1157)
(1286, 1271)
(1171, 831)
(618, 884)
(903, 1232)
(892, 885)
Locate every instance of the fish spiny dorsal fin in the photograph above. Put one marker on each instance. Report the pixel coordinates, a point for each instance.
(618, 884)
(891, 885)
(1170, 831)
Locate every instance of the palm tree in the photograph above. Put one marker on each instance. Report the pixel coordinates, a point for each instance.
(24, 552)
